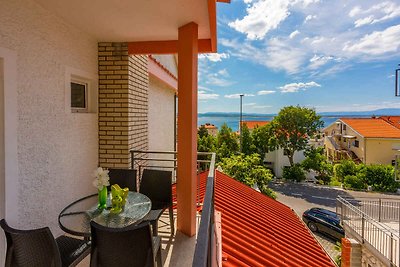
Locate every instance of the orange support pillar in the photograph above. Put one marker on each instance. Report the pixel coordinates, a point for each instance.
(187, 128)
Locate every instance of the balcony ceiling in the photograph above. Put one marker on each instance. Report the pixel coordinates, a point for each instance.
(132, 20)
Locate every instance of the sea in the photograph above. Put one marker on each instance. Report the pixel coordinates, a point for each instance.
(233, 121)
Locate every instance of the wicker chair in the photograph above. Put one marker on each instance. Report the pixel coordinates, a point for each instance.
(37, 248)
(131, 246)
(157, 185)
(123, 177)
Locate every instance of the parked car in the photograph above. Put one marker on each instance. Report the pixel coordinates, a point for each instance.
(324, 221)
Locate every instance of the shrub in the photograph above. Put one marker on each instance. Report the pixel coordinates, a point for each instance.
(354, 182)
(344, 168)
(248, 170)
(380, 177)
(295, 173)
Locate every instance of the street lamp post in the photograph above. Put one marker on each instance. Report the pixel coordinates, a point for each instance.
(240, 121)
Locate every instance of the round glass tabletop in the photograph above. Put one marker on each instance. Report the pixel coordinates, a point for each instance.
(75, 218)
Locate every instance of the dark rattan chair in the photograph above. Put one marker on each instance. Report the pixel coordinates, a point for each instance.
(123, 177)
(131, 246)
(157, 185)
(34, 248)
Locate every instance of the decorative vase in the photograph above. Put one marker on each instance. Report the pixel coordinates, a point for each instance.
(102, 198)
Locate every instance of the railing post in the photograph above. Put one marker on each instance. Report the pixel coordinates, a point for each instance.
(391, 249)
(379, 211)
(362, 227)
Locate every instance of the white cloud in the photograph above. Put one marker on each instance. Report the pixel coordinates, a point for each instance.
(375, 14)
(377, 43)
(318, 61)
(223, 72)
(294, 34)
(249, 104)
(213, 79)
(363, 21)
(295, 87)
(234, 96)
(214, 57)
(265, 92)
(203, 88)
(203, 95)
(309, 17)
(262, 17)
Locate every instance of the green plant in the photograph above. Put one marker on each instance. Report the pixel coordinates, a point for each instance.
(295, 173)
(344, 168)
(248, 170)
(354, 182)
(338, 258)
(292, 128)
(380, 177)
(316, 160)
(334, 182)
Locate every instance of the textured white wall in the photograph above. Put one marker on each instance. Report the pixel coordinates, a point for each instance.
(2, 176)
(161, 117)
(57, 150)
(280, 160)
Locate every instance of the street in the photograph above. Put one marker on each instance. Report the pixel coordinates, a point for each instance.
(302, 196)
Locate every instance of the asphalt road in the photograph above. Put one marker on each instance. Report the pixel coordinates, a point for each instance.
(302, 196)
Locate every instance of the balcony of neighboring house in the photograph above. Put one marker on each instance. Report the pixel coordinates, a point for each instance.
(372, 228)
(337, 150)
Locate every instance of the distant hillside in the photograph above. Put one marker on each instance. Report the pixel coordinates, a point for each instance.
(377, 112)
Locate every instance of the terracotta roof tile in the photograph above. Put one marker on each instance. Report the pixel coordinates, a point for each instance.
(254, 124)
(373, 127)
(394, 120)
(260, 231)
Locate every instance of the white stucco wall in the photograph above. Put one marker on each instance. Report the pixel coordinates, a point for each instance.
(161, 118)
(279, 160)
(56, 149)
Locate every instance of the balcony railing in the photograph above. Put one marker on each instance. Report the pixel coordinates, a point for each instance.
(361, 218)
(206, 250)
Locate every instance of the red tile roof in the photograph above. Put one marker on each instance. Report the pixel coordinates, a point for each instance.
(394, 120)
(260, 231)
(254, 124)
(373, 127)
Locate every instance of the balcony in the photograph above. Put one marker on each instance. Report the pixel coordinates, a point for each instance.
(374, 223)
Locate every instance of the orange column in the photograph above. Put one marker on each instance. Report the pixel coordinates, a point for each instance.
(187, 128)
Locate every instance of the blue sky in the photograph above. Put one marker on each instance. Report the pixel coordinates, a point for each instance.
(332, 55)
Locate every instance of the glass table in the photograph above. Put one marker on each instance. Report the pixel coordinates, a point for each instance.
(75, 218)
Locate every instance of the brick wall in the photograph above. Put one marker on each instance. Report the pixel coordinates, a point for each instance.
(123, 104)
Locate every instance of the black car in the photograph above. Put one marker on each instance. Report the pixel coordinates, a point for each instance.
(324, 221)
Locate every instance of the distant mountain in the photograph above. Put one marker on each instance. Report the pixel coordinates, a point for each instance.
(377, 112)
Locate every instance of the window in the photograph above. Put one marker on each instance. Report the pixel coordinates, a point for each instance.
(356, 143)
(79, 96)
(344, 127)
(286, 152)
(80, 91)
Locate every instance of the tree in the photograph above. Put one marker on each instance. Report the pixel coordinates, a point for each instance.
(206, 143)
(202, 131)
(247, 169)
(316, 161)
(262, 141)
(227, 142)
(292, 127)
(248, 147)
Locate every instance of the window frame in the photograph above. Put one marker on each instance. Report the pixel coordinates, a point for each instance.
(86, 85)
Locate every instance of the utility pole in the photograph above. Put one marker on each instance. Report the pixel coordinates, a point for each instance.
(240, 121)
(396, 83)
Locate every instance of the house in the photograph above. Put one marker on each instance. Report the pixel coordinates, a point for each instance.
(211, 128)
(251, 125)
(277, 159)
(374, 140)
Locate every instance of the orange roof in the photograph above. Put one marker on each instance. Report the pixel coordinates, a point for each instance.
(394, 120)
(209, 126)
(372, 127)
(260, 231)
(254, 124)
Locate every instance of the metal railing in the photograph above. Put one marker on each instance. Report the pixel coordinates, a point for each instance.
(367, 230)
(205, 251)
(204, 254)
